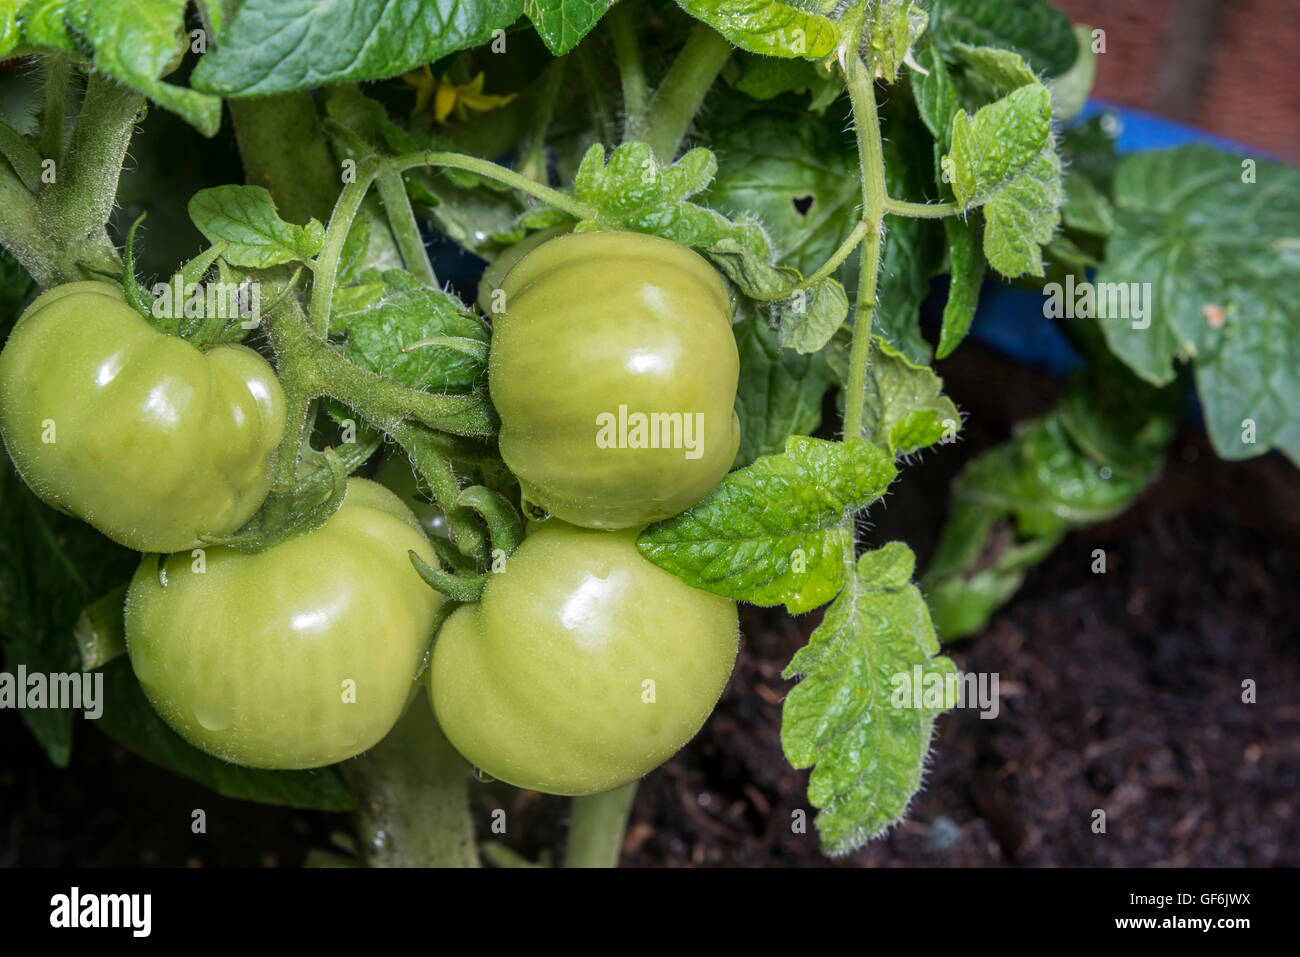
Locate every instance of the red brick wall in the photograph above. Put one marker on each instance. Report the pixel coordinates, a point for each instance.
(1251, 83)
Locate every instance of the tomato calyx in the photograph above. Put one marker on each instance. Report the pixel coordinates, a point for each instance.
(317, 496)
(458, 579)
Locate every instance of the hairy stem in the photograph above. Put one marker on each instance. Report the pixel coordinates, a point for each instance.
(336, 233)
(679, 96)
(844, 251)
(383, 403)
(349, 202)
(80, 199)
(631, 72)
(596, 827)
(872, 158)
(412, 805)
(55, 105)
(397, 206)
(899, 207)
(74, 209)
(434, 466)
(552, 197)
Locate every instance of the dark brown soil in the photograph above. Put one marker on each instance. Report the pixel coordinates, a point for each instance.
(1120, 692)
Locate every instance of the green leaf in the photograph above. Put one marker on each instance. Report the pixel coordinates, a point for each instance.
(770, 27)
(1002, 70)
(904, 408)
(1084, 462)
(275, 46)
(136, 43)
(130, 720)
(1004, 160)
(846, 720)
(995, 146)
(774, 533)
(634, 192)
(807, 321)
(936, 94)
(796, 176)
(805, 316)
(966, 257)
(1021, 219)
(1222, 258)
(400, 312)
(765, 78)
(1086, 208)
(11, 33)
(245, 217)
(562, 23)
(44, 23)
(1035, 29)
(51, 565)
(780, 392)
(963, 604)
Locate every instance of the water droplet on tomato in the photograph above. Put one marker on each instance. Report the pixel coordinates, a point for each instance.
(214, 715)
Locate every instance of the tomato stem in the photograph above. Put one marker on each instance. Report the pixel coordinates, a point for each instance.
(631, 72)
(842, 253)
(596, 86)
(596, 827)
(434, 466)
(679, 96)
(326, 266)
(872, 158)
(283, 148)
(397, 207)
(412, 801)
(62, 236)
(490, 170)
(57, 71)
(898, 207)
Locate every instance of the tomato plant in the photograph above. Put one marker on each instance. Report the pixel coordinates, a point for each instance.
(625, 303)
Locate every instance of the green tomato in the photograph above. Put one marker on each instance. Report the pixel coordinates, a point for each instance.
(614, 371)
(583, 667)
(294, 657)
(138, 433)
